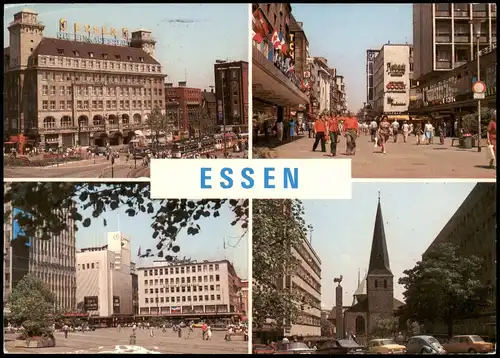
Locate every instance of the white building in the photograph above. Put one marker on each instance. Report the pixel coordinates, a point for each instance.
(323, 78)
(103, 277)
(189, 288)
(391, 81)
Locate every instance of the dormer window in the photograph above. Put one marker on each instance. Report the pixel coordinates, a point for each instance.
(105, 56)
(118, 57)
(76, 53)
(91, 54)
(141, 59)
(60, 51)
(130, 58)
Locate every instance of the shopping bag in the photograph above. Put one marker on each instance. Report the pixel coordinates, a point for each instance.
(491, 152)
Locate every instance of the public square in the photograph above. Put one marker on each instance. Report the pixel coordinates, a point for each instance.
(403, 160)
(109, 340)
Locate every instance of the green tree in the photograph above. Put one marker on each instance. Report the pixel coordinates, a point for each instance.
(277, 227)
(470, 122)
(44, 206)
(326, 328)
(31, 301)
(445, 286)
(385, 328)
(159, 123)
(203, 125)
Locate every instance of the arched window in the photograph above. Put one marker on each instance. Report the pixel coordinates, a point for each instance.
(376, 284)
(385, 283)
(360, 325)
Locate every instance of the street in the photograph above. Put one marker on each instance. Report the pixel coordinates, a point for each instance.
(403, 160)
(106, 340)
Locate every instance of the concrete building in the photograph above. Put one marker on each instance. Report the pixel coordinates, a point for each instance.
(244, 293)
(342, 96)
(370, 60)
(52, 261)
(103, 278)
(473, 230)
(135, 288)
(322, 85)
(183, 107)
(443, 37)
(189, 289)
(391, 81)
(231, 92)
(62, 92)
(209, 109)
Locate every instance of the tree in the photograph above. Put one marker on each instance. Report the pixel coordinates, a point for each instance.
(203, 125)
(31, 301)
(44, 208)
(159, 123)
(385, 328)
(278, 226)
(444, 286)
(326, 328)
(470, 122)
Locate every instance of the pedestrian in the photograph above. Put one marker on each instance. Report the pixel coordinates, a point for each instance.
(333, 130)
(351, 132)
(151, 331)
(395, 130)
(134, 328)
(209, 332)
(428, 132)
(400, 338)
(319, 129)
(384, 132)
(279, 129)
(419, 132)
(203, 331)
(310, 126)
(65, 330)
(442, 132)
(291, 125)
(373, 129)
(406, 131)
(491, 135)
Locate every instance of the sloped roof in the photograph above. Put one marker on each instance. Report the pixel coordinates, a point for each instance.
(379, 256)
(53, 47)
(208, 96)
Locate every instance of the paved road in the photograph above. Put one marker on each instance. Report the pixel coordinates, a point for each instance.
(110, 340)
(403, 160)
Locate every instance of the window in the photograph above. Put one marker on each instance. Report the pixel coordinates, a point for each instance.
(217, 278)
(52, 90)
(117, 57)
(218, 297)
(104, 56)
(91, 54)
(129, 58)
(216, 267)
(61, 105)
(45, 105)
(76, 54)
(376, 284)
(53, 105)
(141, 59)
(385, 283)
(45, 90)
(146, 300)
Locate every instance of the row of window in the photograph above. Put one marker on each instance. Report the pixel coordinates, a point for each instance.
(93, 265)
(95, 105)
(178, 280)
(181, 269)
(198, 298)
(101, 91)
(100, 78)
(104, 64)
(182, 288)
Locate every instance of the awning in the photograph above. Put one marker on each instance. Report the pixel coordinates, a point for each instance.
(399, 117)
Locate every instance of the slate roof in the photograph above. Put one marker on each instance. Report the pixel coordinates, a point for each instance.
(66, 48)
(379, 256)
(208, 96)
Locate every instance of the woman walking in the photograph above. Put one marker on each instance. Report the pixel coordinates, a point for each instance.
(442, 132)
(491, 134)
(428, 132)
(384, 133)
(292, 129)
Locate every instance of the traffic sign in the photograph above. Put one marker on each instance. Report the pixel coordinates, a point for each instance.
(479, 95)
(479, 87)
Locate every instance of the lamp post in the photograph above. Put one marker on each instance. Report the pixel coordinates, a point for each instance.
(476, 25)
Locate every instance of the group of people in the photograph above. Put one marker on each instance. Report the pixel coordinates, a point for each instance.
(330, 127)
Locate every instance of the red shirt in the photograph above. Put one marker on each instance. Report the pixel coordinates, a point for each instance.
(319, 126)
(492, 130)
(333, 124)
(351, 123)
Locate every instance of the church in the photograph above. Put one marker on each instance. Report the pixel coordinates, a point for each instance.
(374, 298)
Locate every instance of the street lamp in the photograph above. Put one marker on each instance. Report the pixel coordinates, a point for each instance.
(476, 25)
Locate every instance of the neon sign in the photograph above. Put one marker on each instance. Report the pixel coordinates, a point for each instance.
(93, 34)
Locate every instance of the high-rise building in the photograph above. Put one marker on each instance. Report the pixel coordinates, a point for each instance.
(444, 38)
(183, 107)
(231, 91)
(370, 59)
(189, 289)
(61, 92)
(103, 278)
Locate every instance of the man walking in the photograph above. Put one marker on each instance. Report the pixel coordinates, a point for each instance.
(333, 129)
(395, 130)
(351, 132)
(319, 129)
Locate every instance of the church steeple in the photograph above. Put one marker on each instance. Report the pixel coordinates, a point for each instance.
(379, 257)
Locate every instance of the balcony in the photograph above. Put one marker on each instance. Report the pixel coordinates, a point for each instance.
(461, 14)
(462, 38)
(443, 38)
(443, 65)
(443, 13)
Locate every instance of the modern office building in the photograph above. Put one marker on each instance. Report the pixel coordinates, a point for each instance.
(370, 59)
(104, 278)
(391, 81)
(473, 230)
(189, 289)
(183, 107)
(74, 90)
(231, 92)
(444, 38)
(244, 297)
(209, 109)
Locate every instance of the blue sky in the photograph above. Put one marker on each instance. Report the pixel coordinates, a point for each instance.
(207, 245)
(342, 33)
(219, 31)
(414, 213)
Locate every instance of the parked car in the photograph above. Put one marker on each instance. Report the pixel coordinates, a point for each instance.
(341, 346)
(294, 348)
(385, 346)
(262, 349)
(424, 345)
(468, 344)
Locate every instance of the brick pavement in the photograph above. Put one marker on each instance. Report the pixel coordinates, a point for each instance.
(107, 340)
(403, 160)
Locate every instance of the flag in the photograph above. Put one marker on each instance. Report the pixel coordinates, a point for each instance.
(139, 252)
(263, 22)
(283, 44)
(256, 23)
(257, 37)
(275, 41)
(175, 309)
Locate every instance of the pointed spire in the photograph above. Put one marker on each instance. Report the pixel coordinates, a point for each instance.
(359, 278)
(379, 257)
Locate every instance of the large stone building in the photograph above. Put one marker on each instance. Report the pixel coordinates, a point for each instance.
(62, 92)
(209, 109)
(183, 107)
(473, 229)
(103, 278)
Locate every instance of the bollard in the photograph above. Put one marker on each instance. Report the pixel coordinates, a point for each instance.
(132, 339)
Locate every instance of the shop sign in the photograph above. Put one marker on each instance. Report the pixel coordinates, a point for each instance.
(116, 301)
(396, 70)
(93, 34)
(394, 103)
(291, 45)
(396, 87)
(90, 303)
(371, 54)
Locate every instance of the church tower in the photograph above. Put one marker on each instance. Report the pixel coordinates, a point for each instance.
(379, 280)
(142, 39)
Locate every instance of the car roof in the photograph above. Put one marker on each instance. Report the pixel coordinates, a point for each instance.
(423, 336)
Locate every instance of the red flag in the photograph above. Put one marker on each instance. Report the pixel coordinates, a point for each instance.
(257, 37)
(275, 39)
(256, 23)
(264, 22)
(284, 48)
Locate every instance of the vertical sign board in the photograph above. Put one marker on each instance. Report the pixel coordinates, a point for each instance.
(90, 303)
(20, 246)
(116, 304)
(220, 119)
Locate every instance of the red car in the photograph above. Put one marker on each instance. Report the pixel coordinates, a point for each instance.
(262, 349)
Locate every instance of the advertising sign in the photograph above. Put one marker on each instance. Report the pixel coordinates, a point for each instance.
(93, 34)
(116, 301)
(291, 45)
(90, 303)
(17, 231)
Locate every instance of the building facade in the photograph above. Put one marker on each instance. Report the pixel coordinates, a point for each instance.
(231, 92)
(103, 278)
(473, 230)
(370, 62)
(183, 107)
(189, 289)
(443, 37)
(391, 81)
(60, 92)
(244, 297)
(209, 109)
(323, 82)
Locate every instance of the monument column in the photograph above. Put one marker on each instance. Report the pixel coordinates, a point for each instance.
(339, 319)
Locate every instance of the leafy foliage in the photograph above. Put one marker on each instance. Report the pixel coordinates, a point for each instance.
(444, 286)
(203, 125)
(326, 328)
(385, 328)
(277, 227)
(159, 123)
(46, 205)
(470, 122)
(31, 302)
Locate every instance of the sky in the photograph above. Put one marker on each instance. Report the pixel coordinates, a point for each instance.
(414, 214)
(217, 31)
(342, 33)
(207, 245)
